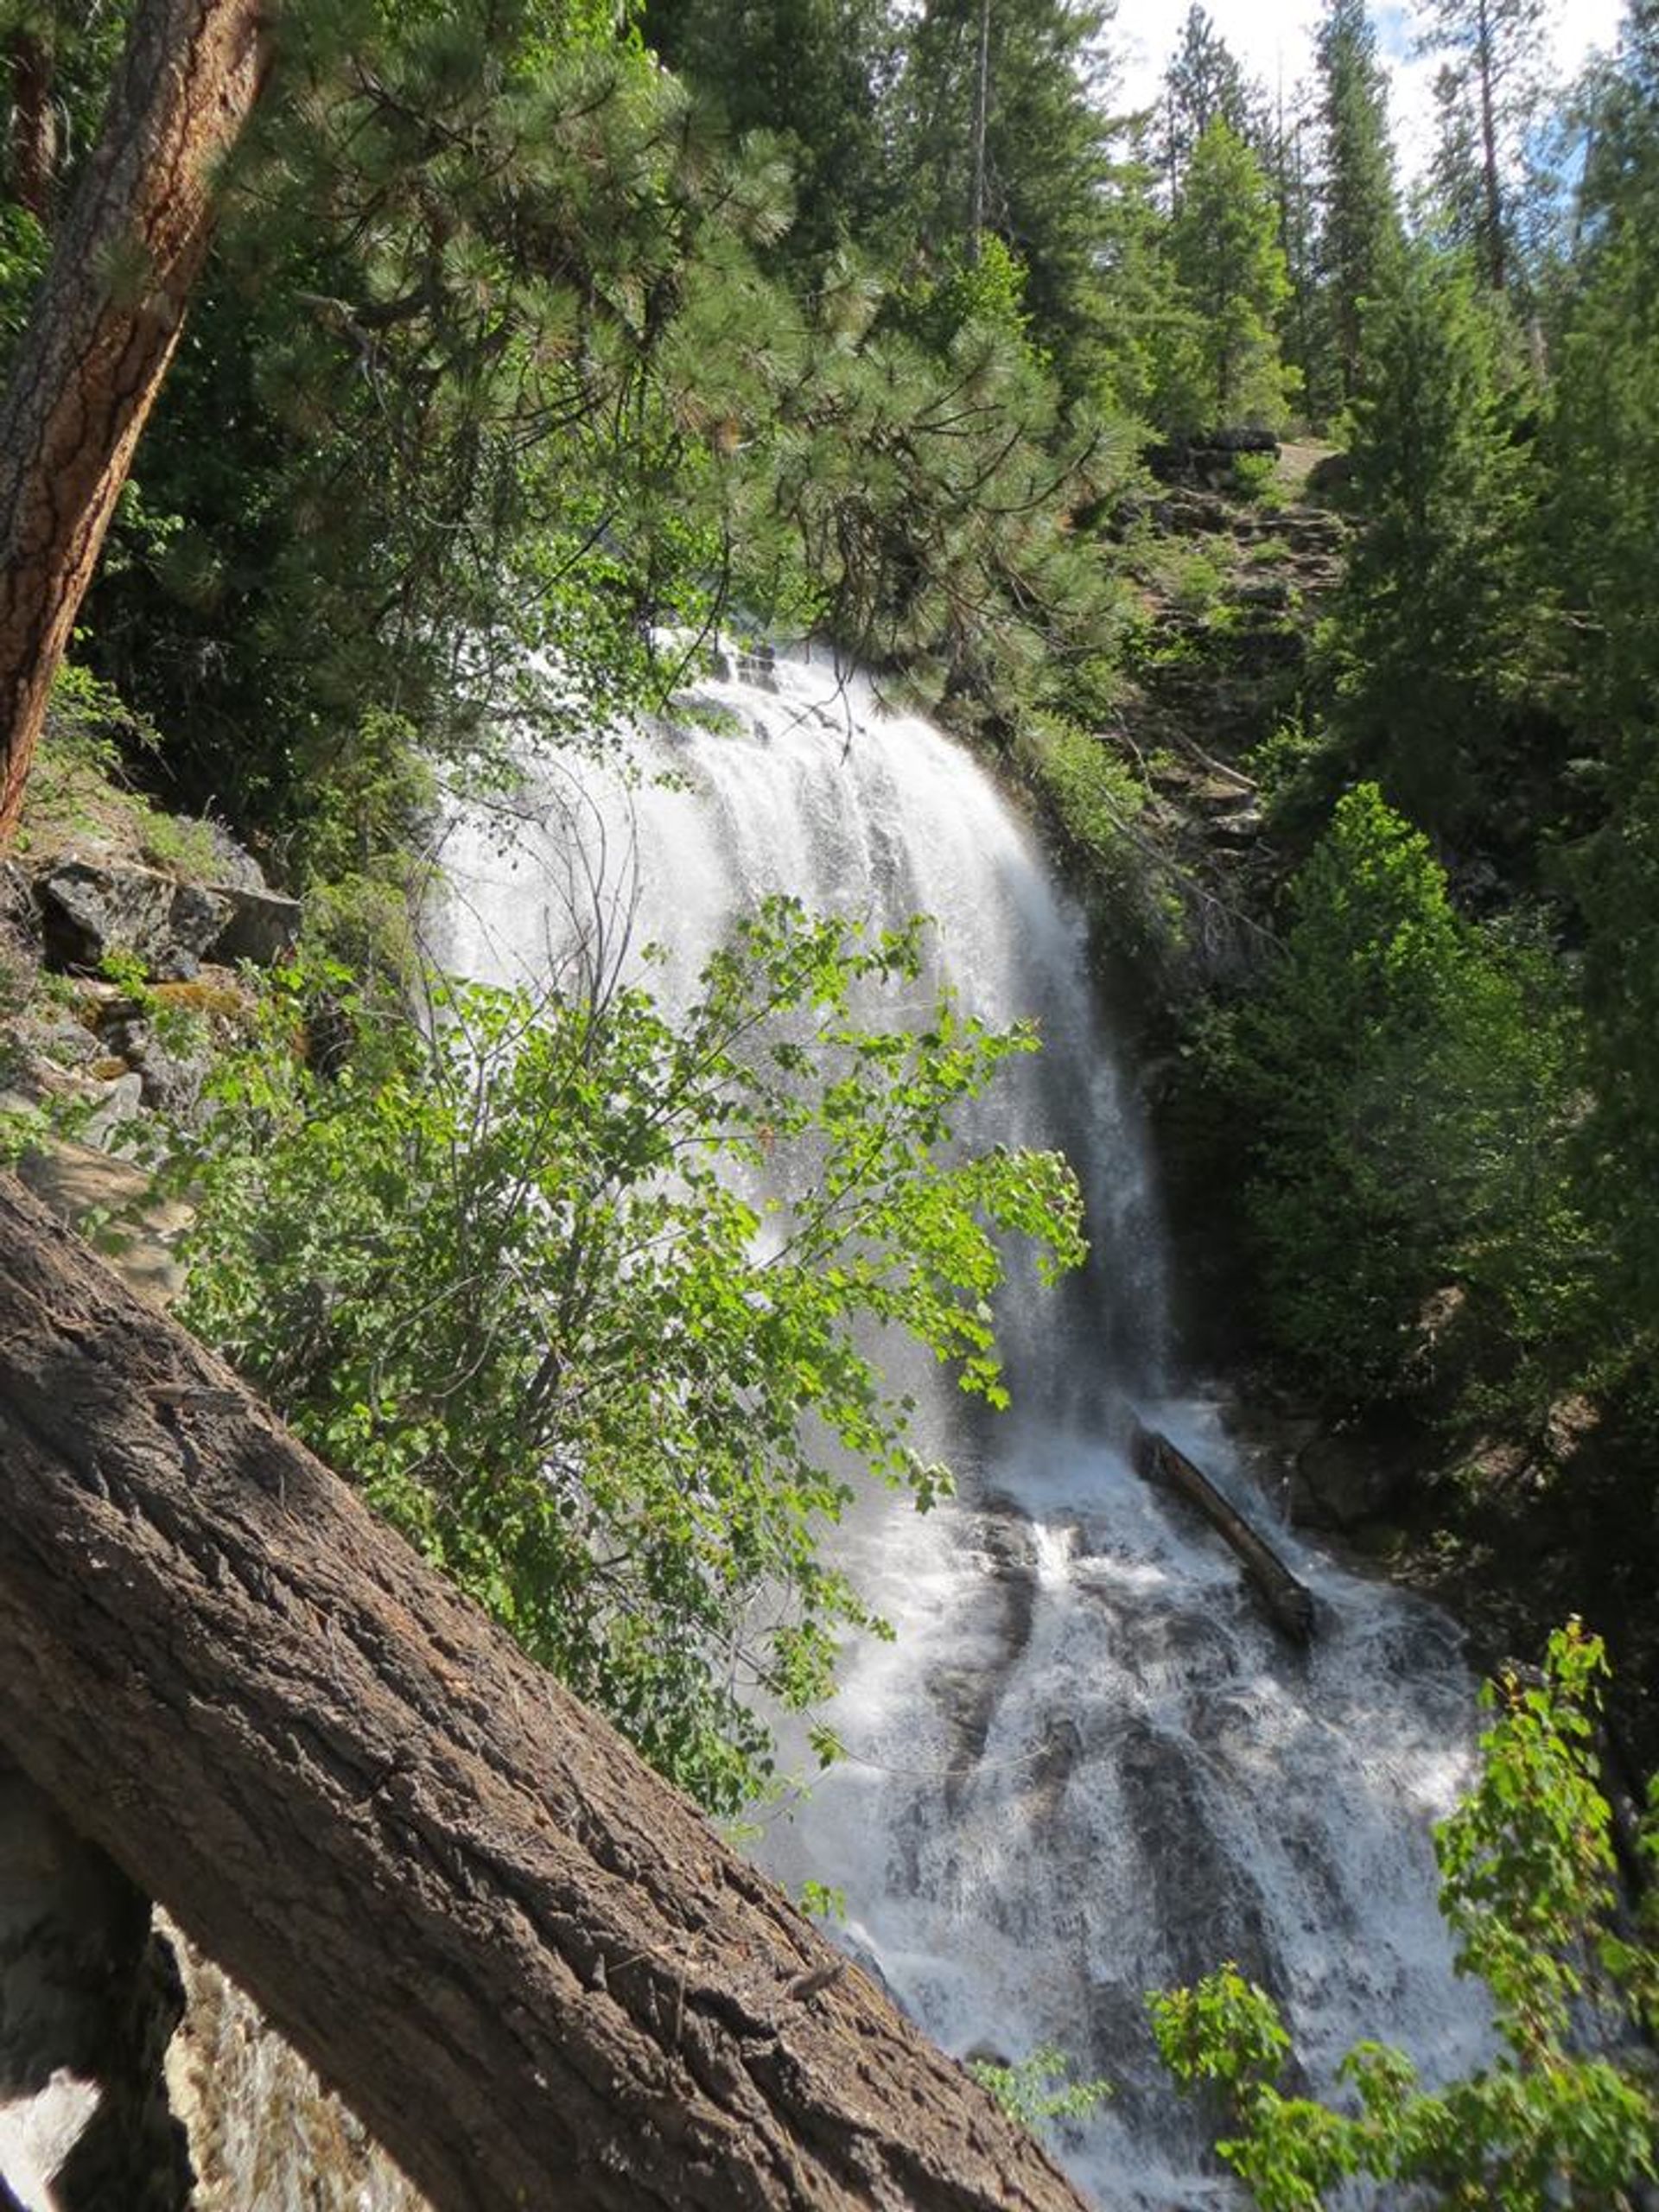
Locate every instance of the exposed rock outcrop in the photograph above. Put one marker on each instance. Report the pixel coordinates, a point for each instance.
(94, 910)
(262, 2129)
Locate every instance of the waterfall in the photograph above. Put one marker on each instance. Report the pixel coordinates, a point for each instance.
(1085, 1768)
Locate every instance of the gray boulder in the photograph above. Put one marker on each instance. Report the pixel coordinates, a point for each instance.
(259, 925)
(93, 909)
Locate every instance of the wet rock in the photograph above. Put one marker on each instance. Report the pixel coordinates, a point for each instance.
(966, 1697)
(1345, 1477)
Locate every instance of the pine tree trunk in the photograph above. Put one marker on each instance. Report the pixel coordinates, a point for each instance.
(530, 1967)
(29, 136)
(103, 332)
(1485, 70)
(982, 129)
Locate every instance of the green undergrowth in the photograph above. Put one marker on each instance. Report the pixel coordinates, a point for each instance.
(1566, 2112)
(85, 789)
(1098, 803)
(506, 1267)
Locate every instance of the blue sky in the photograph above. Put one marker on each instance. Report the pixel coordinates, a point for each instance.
(1272, 39)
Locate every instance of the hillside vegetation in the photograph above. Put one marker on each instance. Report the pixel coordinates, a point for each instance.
(530, 334)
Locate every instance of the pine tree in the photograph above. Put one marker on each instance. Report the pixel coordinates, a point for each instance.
(1048, 158)
(813, 72)
(1289, 144)
(1203, 84)
(56, 57)
(1489, 95)
(1427, 629)
(104, 332)
(1620, 183)
(421, 390)
(1148, 332)
(1602, 543)
(1230, 270)
(1359, 228)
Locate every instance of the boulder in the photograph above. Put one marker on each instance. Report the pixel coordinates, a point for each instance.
(260, 925)
(93, 910)
(1347, 1478)
(1206, 457)
(234, 867)
(118, 1102)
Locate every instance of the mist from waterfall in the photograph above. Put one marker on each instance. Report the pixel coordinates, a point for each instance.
(1085, 1768)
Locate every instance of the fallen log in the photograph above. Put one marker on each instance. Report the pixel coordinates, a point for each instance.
(1289, 1603)
(523, 1959)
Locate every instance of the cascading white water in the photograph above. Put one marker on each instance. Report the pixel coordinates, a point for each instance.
(1085, 1768)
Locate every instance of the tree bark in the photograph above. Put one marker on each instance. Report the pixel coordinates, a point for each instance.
(523, 1959)
(104, 330)
(982, 127)
(29, 136)
(1289, 1604)
(1493, 224)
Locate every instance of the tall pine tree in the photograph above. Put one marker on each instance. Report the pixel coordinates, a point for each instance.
(1489, 93)
(1427, 631)
(1203, 84)
(815, 74)
(1602, 445)
(1230, 270)
(1047, 159)
(1359, 224)
(1288, 141)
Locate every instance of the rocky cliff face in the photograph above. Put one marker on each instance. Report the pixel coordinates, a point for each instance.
(262, 2130)
(1232, 588)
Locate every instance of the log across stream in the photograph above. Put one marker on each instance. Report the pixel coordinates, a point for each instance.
(1288, 1603)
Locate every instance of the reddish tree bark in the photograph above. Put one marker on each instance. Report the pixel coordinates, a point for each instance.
(104, 330)
(29, 148)
(522, 1958)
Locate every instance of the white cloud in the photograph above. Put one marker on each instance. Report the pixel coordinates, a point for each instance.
(1274, 41)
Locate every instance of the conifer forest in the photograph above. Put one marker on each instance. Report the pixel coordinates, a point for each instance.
(829, 1106)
